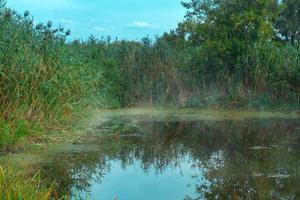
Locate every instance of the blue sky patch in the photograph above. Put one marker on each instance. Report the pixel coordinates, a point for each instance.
(130, 19)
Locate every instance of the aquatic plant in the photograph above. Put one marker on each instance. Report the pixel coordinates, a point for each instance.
(15, 185)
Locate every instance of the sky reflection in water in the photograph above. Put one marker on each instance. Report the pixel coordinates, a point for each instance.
(248, 159)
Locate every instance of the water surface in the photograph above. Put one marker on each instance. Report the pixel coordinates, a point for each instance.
(171, 158)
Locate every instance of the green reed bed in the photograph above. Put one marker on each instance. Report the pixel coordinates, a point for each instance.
(15, 185)
(42, 79)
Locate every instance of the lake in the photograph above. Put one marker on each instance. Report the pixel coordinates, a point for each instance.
(181, 158)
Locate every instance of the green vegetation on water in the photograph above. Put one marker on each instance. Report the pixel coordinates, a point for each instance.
(225, 54)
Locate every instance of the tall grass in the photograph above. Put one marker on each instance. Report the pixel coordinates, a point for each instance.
(164, 72)
(42, 78)
(17, 186)
(38, 72)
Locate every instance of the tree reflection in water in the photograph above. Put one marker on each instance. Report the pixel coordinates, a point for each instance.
(242, 159)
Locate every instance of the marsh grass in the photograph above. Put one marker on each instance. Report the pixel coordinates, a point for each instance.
(43, 80)
(16, 185)
(13, 131)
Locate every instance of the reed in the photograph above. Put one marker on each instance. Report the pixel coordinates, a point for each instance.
(16, 185)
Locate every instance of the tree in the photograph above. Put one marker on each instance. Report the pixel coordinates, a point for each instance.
(288, 22)
(224, 30)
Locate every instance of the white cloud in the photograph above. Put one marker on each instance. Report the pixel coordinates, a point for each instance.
(141, 24)
(98, 28)
(66, 21)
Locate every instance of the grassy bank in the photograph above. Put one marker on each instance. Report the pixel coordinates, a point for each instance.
(57, 143)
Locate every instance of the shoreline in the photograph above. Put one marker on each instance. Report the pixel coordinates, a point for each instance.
(71, 132)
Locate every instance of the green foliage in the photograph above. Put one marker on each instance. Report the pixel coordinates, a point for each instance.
(225, 52)
(42, 77)
(288, 22)
(13, 130)
(239, 53)
(12, 186)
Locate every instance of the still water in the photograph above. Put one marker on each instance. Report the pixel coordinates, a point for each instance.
(129, 158)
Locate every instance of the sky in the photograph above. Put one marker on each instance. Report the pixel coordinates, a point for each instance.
(125, 19)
